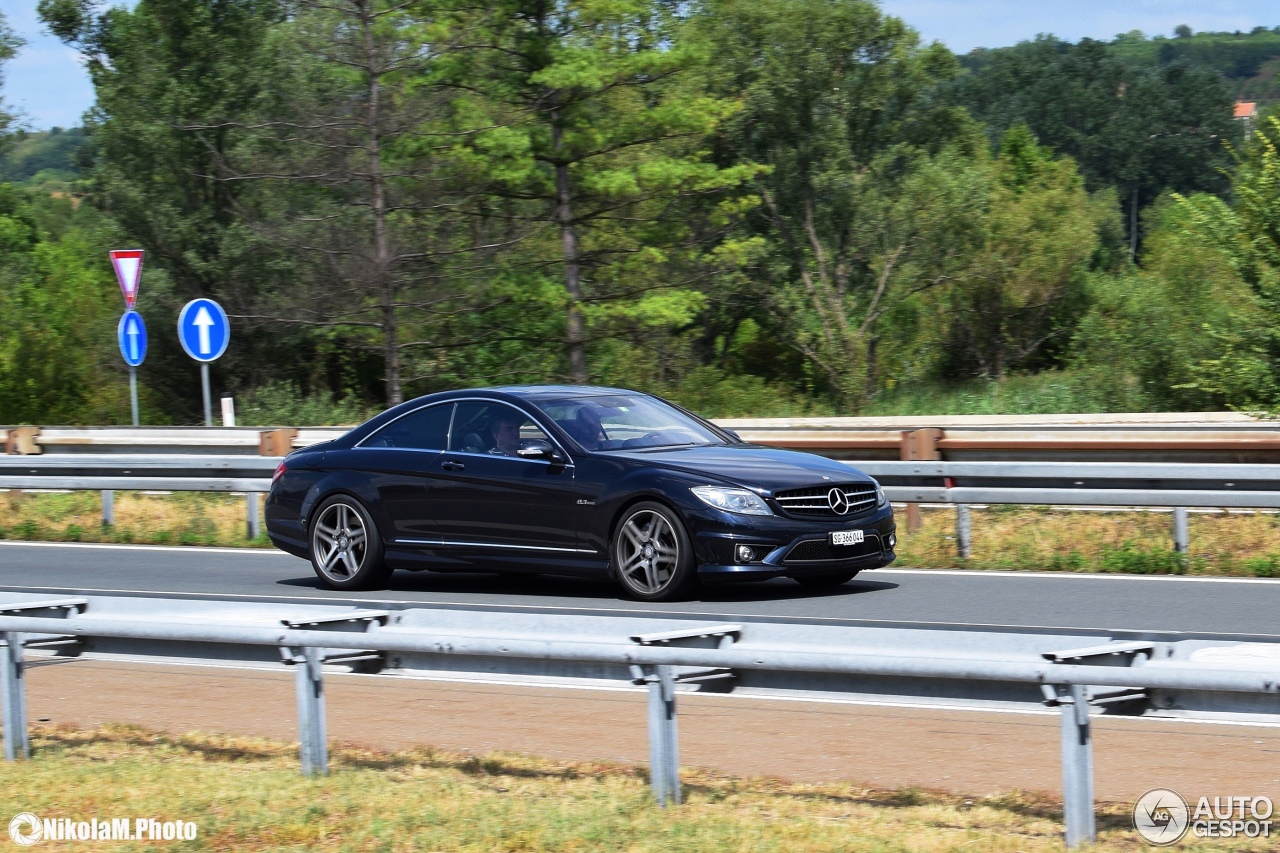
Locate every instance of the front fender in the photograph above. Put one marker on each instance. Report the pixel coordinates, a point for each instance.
(663, 485)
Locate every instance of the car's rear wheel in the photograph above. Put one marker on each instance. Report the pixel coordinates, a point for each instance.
(826, 581)
(346, 551)
(652, 555)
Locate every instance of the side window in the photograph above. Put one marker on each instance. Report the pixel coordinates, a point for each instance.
(493, 428)
(425, 429)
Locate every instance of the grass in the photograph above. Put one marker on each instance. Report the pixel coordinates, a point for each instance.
(246, 794)
(1045, 539)
(181, 518)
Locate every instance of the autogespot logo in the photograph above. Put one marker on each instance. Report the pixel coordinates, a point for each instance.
(26, 829)
(1161, 817)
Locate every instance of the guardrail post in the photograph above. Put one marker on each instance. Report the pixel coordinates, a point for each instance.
(664, 758)
(1077, 767)
(17, 743)
(964, 531)
(252, 526)
(22, 440)
(311, 728)
(108, 507)
(917, 445)
(276, 442)
(1181, 540)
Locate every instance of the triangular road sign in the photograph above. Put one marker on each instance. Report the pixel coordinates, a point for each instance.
(128, 266)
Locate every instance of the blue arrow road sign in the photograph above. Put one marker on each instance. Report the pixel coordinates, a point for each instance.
(204, 330)
(132, 334)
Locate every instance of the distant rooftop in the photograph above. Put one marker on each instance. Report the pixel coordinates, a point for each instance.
(1246, 109)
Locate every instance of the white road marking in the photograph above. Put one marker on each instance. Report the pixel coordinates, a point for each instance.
(181, 549)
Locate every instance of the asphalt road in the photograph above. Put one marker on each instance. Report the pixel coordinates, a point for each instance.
(1105, 602)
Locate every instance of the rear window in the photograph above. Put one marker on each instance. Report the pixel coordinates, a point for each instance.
(425, 429)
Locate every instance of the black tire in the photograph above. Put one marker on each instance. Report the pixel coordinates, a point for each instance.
(651, 554)
(826, 581)
(344, 546)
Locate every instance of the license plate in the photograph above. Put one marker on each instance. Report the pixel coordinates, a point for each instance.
(847, 537)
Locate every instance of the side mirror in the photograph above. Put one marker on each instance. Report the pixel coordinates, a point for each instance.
(732, 432)
(537, 448)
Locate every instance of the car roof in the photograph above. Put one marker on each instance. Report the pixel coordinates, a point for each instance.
(536, 392)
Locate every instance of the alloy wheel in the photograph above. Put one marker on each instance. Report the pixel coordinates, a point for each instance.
(340, 542)
(648, 552)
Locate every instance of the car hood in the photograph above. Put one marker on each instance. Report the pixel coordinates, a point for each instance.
(751, 465)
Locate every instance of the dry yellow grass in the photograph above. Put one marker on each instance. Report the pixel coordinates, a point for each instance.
(1040, 538)
(181, 518)
(247, 795)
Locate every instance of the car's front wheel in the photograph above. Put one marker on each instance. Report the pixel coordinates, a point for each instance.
(346, 551)
(652, 555)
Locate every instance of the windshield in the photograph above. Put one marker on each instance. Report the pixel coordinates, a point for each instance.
(625, 422)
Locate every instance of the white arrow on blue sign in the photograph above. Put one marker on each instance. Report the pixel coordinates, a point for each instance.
(132, 335)
(203, 329)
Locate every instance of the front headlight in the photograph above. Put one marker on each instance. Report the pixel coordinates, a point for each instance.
(741, 501)
(881, 498)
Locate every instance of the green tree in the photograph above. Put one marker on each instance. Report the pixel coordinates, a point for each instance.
(57, 356)
(593, 118)
(345, 151)
(864, 201)
(159, 69)
(1020, 291)
(10, 43)
(1244, 370)
(1141, 128)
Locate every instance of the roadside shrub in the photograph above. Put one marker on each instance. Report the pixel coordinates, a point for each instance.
(1263, 567)
(1132, 560)
(285, 404)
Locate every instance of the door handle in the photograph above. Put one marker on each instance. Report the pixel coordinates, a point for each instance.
(453, 466)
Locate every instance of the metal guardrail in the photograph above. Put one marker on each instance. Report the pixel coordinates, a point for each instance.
(1082, 673)
(1225, 437)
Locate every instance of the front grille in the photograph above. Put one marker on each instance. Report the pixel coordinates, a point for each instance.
(816, 502)
(821, 551)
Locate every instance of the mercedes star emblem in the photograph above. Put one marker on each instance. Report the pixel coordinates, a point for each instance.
(839, 502)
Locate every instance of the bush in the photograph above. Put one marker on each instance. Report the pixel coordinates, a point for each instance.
(1132, 560)
(285, 404)
(1263, 567)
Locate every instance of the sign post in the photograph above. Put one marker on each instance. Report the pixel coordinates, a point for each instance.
(132, 337)
(204, 332)
(132, 332)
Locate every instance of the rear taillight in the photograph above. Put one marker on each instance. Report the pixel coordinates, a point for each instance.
(278, 473)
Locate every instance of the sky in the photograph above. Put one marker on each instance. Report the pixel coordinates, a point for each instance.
(47, 84)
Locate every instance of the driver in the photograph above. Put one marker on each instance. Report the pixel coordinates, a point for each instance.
(586, 428)
(505, 431)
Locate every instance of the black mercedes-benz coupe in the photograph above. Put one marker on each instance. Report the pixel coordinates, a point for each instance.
(596, 482)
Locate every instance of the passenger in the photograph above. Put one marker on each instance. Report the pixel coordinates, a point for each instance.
(505, 430)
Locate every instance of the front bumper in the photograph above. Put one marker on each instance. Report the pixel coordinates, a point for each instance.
(786, 547)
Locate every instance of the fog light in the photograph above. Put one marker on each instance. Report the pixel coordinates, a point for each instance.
(745, 554)
(893, 540)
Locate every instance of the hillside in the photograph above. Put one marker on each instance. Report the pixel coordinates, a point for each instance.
(47, 155)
